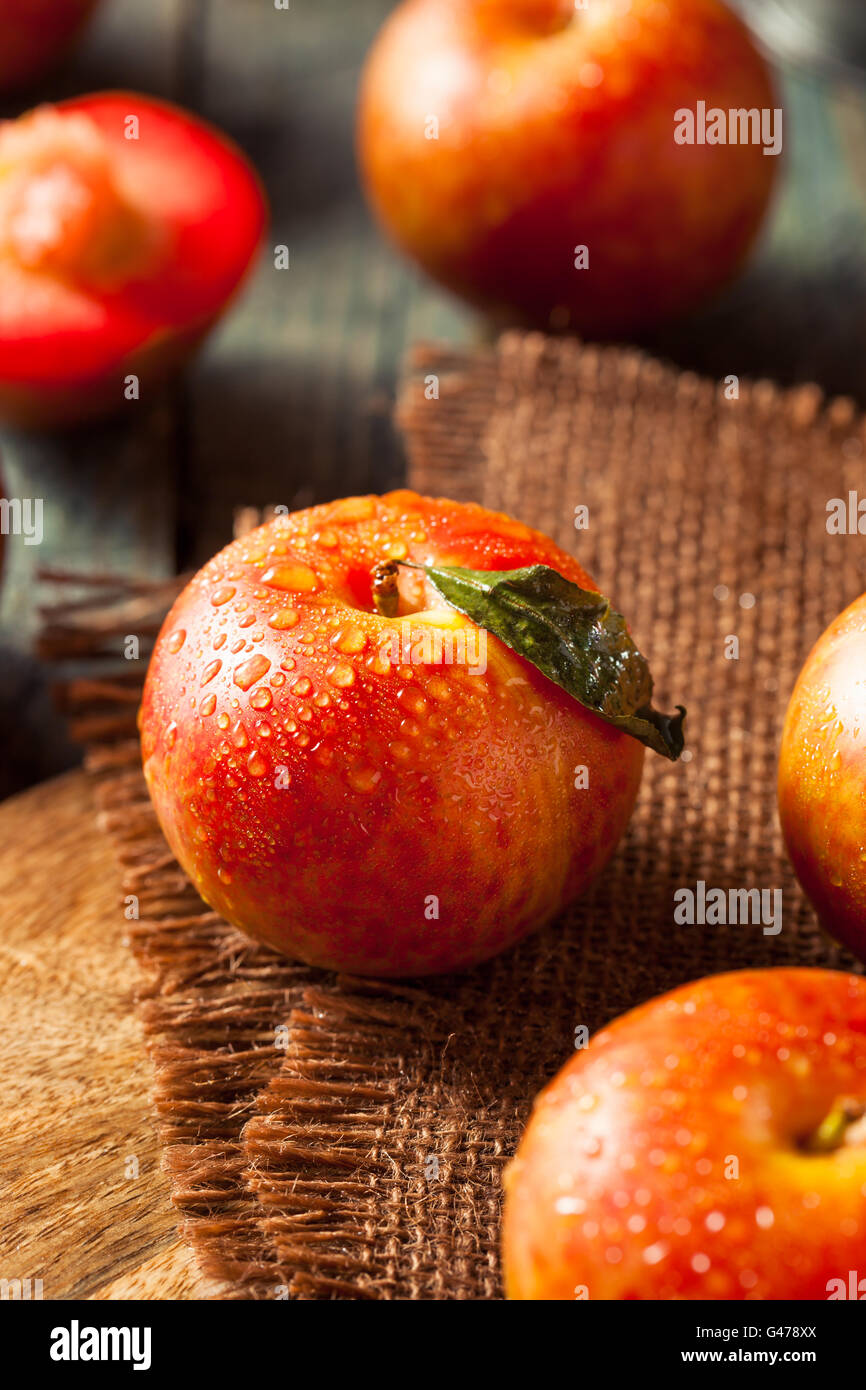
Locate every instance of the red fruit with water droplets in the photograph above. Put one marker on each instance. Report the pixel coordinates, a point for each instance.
(708, 1145)
(337, 788)
(822, 778)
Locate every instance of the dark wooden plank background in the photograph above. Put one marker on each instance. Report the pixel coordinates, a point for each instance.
(290, 401)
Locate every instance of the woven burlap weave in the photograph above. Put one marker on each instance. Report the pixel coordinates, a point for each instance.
(339, 1138)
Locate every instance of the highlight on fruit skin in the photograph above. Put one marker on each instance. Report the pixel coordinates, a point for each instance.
(386, 795)
(522, 152)
(126, 227)
(710, 1144)
(822, 778)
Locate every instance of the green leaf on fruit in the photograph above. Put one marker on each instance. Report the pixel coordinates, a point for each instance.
(573, 636)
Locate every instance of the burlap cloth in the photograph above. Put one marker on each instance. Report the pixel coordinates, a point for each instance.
(338, 1138)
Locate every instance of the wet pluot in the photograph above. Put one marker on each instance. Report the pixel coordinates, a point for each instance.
(822, 770)
(355, 749)
(654, 1161)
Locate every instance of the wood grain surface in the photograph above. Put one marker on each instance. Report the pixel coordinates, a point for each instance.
(85, 1207)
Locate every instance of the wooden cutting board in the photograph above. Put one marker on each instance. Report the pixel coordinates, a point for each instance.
(85, 1207)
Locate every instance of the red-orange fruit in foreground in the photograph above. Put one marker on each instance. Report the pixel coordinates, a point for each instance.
(709, 1145)
(523, 152)
(822, 778)
(334, 787)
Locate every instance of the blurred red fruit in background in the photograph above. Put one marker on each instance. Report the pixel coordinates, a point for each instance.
(35, 35)
(126, 225)
(497, 139)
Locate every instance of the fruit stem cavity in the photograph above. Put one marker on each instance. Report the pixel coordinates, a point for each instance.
(839, 1127)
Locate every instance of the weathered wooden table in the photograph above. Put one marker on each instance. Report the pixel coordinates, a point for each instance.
(290, 402)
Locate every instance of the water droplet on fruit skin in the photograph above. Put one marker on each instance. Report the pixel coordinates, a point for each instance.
(350, 509)
(349, 640)
(248, 672)
(208, 705)
(261, 698)
(363, 779)
(412, 701)
(210, 671)
(256, 765)
(171, 735)
(293, 578)
(341, 674)
(223, 721)
(302, 686)
(222, 595)
(223, 874)
(176, 640)
(378, 665)
(284, 619)
(438, 689)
